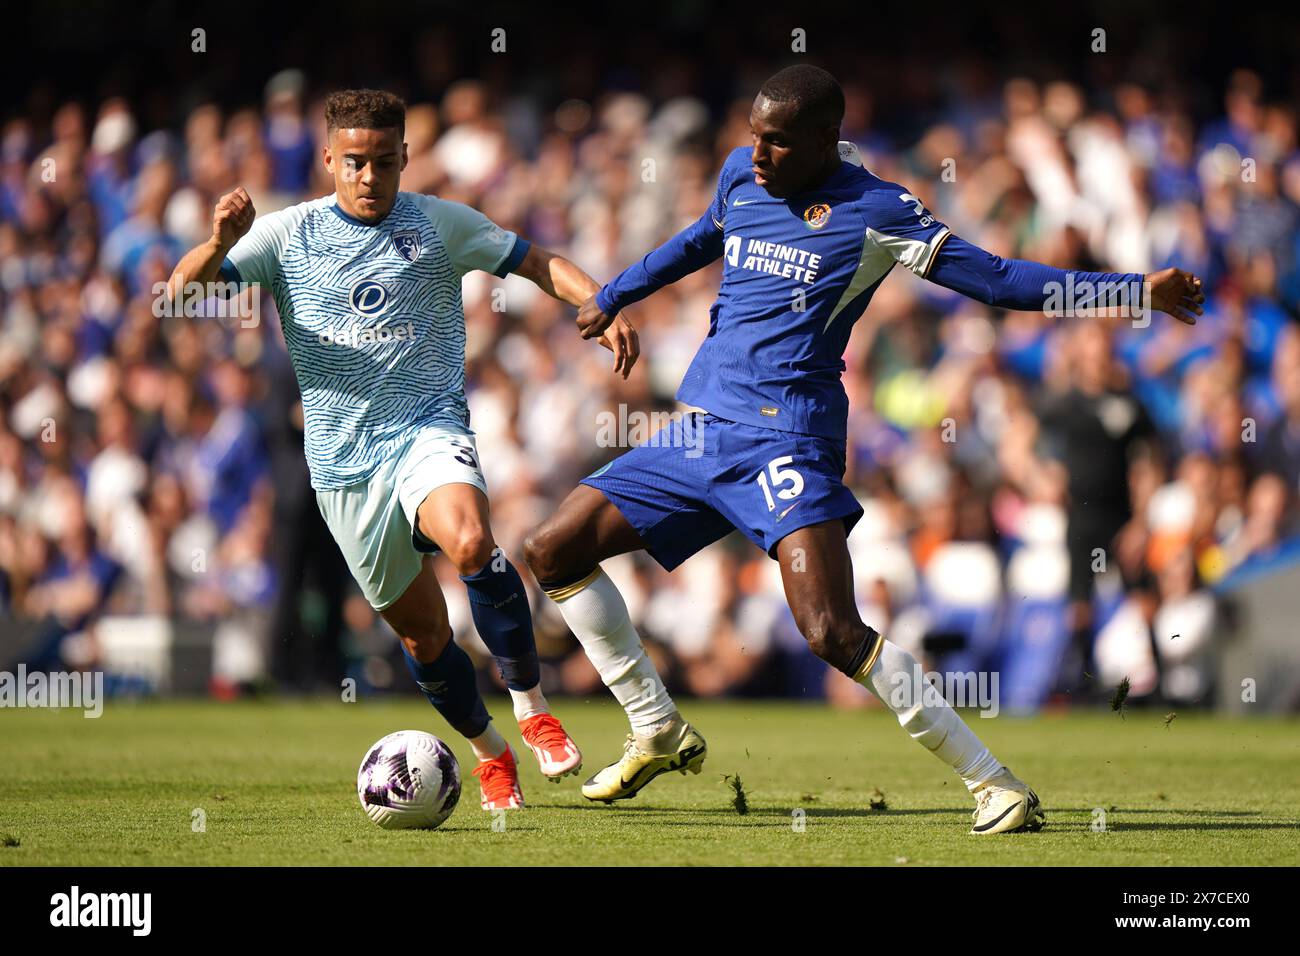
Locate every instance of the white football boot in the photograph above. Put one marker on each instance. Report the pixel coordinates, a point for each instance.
(1004, 804)
(677, 747)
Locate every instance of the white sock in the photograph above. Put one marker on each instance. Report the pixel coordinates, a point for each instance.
(598, 618)
(529, 703)
(489, 744)
(927, 717)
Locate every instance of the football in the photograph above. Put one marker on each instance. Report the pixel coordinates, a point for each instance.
(409, 780)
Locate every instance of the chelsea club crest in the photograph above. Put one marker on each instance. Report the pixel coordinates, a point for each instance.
(407, 244)
(816, 215)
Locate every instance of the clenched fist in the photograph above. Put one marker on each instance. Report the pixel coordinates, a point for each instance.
(233, 217)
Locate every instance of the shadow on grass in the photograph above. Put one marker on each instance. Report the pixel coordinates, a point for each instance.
(1123, 827)
(510, 828)
(1173, 813)
(623, 808)
(769, 816)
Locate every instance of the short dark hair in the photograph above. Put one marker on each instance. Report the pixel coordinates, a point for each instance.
(814, 92)
(364, 109)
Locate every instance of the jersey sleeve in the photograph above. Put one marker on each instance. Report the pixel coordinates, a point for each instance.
(737, 162)
(1030, 286)
(690, 250)
(899, 224)
(256, 257)
(473, 240)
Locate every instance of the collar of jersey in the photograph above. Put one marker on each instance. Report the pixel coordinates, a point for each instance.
(830, 182)
(338, 211)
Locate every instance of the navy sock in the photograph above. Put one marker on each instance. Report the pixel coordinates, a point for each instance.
(862, 653)
(499, 604)
(451, 686)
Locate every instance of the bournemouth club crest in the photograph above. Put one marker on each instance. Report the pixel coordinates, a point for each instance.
(407, 244)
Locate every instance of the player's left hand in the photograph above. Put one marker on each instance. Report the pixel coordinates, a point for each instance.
(1178, 293)
(621, 339)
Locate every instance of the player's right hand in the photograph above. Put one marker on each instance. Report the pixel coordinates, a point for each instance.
(232, 218)
(592, 320)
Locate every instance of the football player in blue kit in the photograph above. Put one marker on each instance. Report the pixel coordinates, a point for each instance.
(806, 235)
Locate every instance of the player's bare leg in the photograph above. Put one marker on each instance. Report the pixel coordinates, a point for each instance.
(455, 517)
(817, 573)
(564, 554)
(446, 675)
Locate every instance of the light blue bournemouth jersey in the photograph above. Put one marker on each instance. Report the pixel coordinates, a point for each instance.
(373, 319)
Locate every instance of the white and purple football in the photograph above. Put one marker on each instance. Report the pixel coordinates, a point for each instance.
(409, 780)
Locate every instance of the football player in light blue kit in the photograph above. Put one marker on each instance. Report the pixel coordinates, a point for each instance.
(367, 283)
(806, 235)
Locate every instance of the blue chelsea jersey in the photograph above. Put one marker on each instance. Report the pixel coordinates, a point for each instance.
(797, 274)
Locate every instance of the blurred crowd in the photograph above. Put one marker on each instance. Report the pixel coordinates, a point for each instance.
(152, 465)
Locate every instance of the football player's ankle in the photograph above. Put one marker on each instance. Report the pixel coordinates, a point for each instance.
(981, 779)
(660, 733)
(488, 745)
(528, 703)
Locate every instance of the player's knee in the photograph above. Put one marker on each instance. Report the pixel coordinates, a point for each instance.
(542, 553)
(469, 549)
(534, 550)
(830, 636)
(816, 629)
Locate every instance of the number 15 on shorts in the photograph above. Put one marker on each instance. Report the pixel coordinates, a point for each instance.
(785, 482)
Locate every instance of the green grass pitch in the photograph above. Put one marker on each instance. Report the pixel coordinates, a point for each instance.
(275, 782)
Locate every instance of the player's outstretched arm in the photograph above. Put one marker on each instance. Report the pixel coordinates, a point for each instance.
(1032, 286)
(689, 251)
(231, 219)
(561, 279)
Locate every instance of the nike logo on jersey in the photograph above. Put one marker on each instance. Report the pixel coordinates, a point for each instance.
(737, 202)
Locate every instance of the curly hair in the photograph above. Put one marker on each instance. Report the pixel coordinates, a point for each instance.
(364, 109)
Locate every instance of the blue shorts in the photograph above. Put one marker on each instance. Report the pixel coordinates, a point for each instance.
(700, 477)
